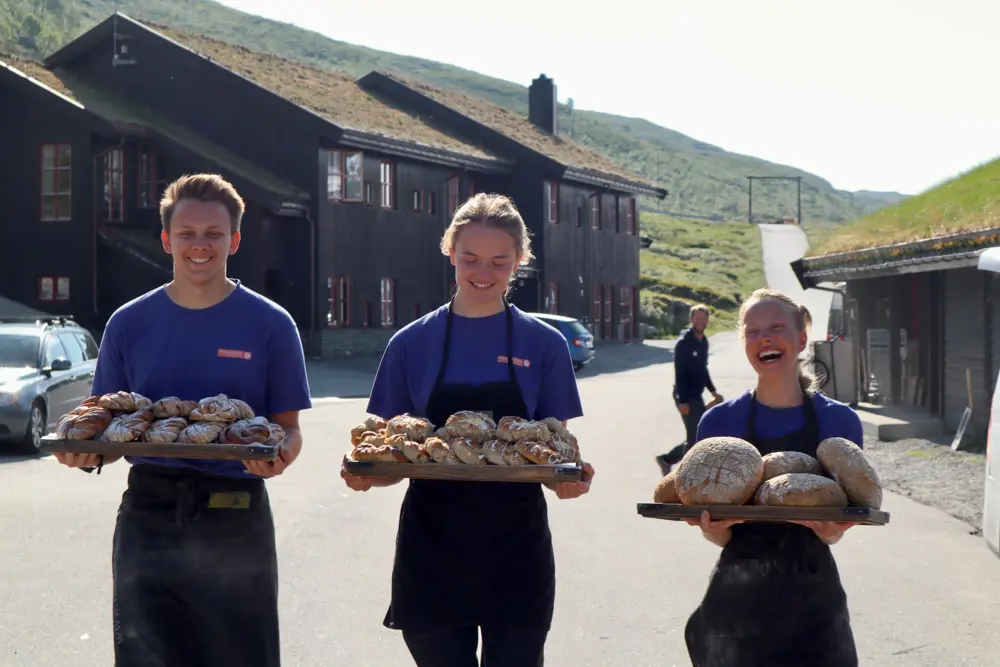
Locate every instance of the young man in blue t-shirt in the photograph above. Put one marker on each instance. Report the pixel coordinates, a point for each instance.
(194, 559)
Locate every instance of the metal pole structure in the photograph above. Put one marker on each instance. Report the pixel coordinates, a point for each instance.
(750, 203)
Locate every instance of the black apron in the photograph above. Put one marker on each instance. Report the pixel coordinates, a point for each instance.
(775, 597)
(195, 572)
(473, 553)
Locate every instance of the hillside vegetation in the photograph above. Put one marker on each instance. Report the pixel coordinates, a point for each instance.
(703, 180)
(969, 202)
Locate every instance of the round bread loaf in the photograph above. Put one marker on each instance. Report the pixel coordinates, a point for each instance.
(800, 489)
(666, 489)
(719, 471)
(780, 463)
(848, 464)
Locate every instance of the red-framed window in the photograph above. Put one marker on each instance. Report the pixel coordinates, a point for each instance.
(114, 184)
(53, 288)
(387, 186)
(338, 312)
(607, 332)
(57, 182)
(344, 175)
(431, 203)
(417, 204)
(552, 201)
(595, 211)
(630, 216)
(625, 312)
(147, 182)
(552, 299)
(388, 301)
(452, 195)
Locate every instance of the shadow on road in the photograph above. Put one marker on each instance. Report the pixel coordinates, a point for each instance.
(18, 458)
(618, 358)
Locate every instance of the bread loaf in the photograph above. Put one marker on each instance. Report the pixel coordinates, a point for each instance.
(719, 471)
(848, 464)
(800, 489)
(666, 489)
(780, 463)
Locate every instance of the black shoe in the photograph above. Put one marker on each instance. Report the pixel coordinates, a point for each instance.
(671, 458)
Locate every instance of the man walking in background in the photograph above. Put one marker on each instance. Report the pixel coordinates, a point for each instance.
(691, 378)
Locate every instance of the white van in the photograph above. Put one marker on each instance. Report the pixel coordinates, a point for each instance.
(990, 261)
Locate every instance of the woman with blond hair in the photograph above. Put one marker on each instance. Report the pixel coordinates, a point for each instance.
(476, 557)
(775, 598)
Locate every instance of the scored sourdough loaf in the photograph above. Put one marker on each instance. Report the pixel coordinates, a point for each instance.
(666, 489)
(848, 464)
(719, 471)
(779, 463)
(800, 489)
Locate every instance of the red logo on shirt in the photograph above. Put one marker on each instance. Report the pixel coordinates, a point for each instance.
(524, 363)
(235, 354)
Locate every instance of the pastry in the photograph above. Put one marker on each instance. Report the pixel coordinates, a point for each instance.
(441, 451)
(503, 453)
(87, 424)
(371, 424)
(383, 453)
(538, 452)
(277, 434)
(468, 451)
(417, 429)
(129, 426)
(472, 425)
(171, 406)
(243, 409)
(415, 452)
(514, 429)
(201, 432)
(215, 409)
(246, 432)
(165, 430)
(719, 471)
(565, 448)
(124, 401)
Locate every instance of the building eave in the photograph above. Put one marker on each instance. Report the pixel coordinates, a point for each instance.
(612, 182)
(413, 150)
(934, 254)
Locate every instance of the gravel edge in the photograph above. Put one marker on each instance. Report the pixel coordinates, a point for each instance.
(930, 473)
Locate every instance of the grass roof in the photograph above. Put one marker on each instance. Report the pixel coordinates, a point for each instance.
(969, 202)
(37, 71)
(332, 95)
(522, 130)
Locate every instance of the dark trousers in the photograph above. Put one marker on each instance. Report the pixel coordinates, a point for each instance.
(195, 583)
(503, 646)
(696, 408)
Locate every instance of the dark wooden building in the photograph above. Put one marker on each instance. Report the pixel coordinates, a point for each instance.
(925, 323)
(350, 183)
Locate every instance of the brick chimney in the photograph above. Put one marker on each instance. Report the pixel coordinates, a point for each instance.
(543, 109)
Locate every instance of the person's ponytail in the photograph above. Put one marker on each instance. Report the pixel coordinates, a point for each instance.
(807, 379)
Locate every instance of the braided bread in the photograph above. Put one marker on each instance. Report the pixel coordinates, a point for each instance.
(201, 432)
(277, 434)
(165, 430)
(124, 401)
(369, 425)
(246, 432)
(417, 429)
(83, 423)
(472, 425)
(468, 451)
(243, 410)
(129, 426)
(538, 452)
(216, 409)
(171, 406)
(515, 428)
(385, 453)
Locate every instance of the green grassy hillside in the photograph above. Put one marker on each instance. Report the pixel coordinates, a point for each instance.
(966, 203)
(703, 180)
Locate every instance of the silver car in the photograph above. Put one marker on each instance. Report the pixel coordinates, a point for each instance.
(46, 370)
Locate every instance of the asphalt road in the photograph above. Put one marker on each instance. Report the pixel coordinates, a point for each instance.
(922, 591)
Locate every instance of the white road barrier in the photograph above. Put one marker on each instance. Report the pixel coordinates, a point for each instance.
(782, 245)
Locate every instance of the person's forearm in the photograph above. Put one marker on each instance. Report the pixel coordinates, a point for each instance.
(708, 382)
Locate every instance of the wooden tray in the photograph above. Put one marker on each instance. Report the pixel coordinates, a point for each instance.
(178, 450)
(677, 512)
(567, 472)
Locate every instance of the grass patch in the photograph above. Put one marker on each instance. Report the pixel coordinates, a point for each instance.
(921, 454)
(969, 202)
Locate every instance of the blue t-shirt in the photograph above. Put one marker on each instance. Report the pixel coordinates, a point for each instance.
(836, 420)
(542, 363)
(245, 347)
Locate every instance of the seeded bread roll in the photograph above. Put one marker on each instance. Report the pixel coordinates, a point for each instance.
(666, 489)
(800, 489)
(468, 451)
(415, 452)
(780, 463)
(719, 471)
(383, 453)
(441, 452)
(848, 464)
(475, 426)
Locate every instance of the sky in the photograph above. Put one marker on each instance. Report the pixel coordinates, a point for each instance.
(893, 95)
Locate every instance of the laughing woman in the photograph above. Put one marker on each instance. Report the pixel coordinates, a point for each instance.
(775, 597)
(476, 557)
